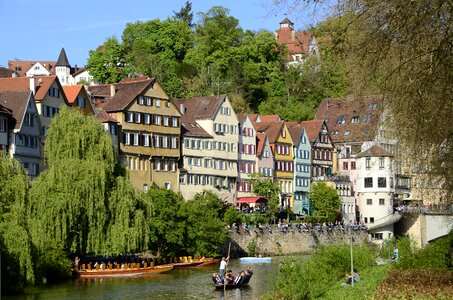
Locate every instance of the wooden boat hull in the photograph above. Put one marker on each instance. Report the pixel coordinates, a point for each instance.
(187, 265)
(121, 272)
(244, 282)
(209, 261)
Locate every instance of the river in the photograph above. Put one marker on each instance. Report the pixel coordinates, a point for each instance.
(192, 283)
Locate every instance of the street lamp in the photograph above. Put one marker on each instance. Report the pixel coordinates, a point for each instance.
(352, 264)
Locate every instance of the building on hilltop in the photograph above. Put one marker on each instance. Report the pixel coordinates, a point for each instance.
(300, 45)
(66, 74)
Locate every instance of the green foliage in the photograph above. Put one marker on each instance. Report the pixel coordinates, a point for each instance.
(325, 200)
(251, 247)
(105, 63)
(52, 265)
(436, 255)
(312, 278)
(205, 229)
(232, 215)
(15, 246)
(257, 218)
(269, 190)
(165, 222)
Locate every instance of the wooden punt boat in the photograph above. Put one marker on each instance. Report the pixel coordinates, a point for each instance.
(208, 261)
(187, 264)
(121, 272)
(244, 282)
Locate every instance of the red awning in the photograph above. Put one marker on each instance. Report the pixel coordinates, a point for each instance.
(251, 200)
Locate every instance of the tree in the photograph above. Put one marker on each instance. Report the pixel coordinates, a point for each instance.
(325, 199)
(206, 231)
(403, 51)
(106, 63)
(165, 221)
(185, 14)
(15, 243)
(269, 190)
(78, 202)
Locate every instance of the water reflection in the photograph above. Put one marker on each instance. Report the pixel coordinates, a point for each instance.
(192, 283)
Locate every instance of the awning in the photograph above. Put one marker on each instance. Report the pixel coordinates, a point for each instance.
(251, 200)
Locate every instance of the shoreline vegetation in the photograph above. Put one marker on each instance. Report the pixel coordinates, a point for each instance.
(419, 274)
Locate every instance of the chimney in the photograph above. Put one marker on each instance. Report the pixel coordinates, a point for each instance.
(182, 109)
(293, 35)
(112, 90)
(32, 85)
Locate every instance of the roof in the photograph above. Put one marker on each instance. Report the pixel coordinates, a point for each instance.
(312, 128)
(295, 41)
(260, 142)
(16, 102)
(42, 84)
(100, 90)
(6, 73)
(77, 71)
(270, 118)
(251, 200)
(125, 93)
(102, 116)
(5, 110)
(200, 107)
(253, 117)
(272, 129)
(63, 59)
(295, 131)
(21, 67)
(374, 151)
(366, 111)
(286, 21)
(72, 91)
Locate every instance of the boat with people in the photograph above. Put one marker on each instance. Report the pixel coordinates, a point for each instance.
(232, 282)
(255, 259)
(124, 270)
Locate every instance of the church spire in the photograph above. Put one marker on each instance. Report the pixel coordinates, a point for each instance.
(63, 59)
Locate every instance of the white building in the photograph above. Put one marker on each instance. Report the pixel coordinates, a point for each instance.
(375, 190)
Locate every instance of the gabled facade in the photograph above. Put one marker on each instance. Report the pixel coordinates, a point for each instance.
(150, 142)
(300, 45)
(302, 169)
(282, 148)
(375, 190)
(264, 156)
(78, 97)
(48, 94)
(5, 120)
(37, 70)
(210, 153)
(247, 156)
(25, 134)
(322, 149)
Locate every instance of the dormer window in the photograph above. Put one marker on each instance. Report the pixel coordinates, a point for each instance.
(367, 118)
(346, 132)
(372, 105)
(341, 120)
(355, 120)
(283, 133)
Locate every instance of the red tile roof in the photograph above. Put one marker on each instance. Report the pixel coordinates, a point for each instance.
(260, 142)
(22, 66)
(42, 84)
(5, 73)
(272, 129)
(72, 91)
(253, 117)
(270, 118)
(102, 116)
(312, 128)
(16, 102)
(295, 131)
(201, 107)
(361, 117)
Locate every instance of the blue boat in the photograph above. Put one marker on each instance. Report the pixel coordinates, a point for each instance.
(256, 259)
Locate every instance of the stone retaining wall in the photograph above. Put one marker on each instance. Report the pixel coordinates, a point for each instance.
(287, 243)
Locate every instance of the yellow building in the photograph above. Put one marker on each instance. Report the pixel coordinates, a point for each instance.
(150, 141)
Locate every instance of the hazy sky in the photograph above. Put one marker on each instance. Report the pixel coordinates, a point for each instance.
(37, 30)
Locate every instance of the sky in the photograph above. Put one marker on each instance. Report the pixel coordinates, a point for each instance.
(37, 30)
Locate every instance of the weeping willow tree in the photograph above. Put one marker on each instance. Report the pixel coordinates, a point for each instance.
(71, 203)
(15, 246)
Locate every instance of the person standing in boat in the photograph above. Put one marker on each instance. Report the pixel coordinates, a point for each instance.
(222, 268)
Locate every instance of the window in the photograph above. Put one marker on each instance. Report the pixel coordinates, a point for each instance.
(381, 182)
(113, 129)
(372, 105)
(81, 102)
(346, 132)
(2, 125)
(355, 120)
(381, 201)
(335, 132)
(157, 102)
(145, 188)
(369, 201)
(167, 103)
(137, 117)
(165, 121)
(368, 163)
(28, 119)
(341, 120)
(352, 165)
(367, 118)
(283, 133)
(140, 100)
(156, 120)
(371, 220)
(381, 163)
(147, 119)
(130, 117)
(345, 165)
(146, 139)
(148, 101)
(368, 182)
(54, 92)
(174, 122)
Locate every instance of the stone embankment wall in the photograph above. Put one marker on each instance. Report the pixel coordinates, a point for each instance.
(291, 242)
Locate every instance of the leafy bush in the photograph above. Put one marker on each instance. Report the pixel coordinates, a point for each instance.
(310, 279)
(232, 216)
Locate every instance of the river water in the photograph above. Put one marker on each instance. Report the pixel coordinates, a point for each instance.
(194, 283)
